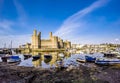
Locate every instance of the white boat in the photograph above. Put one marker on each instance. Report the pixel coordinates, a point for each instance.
(13, 60)
(118, 56)
(106, 61)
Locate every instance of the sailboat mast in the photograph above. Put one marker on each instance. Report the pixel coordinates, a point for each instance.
(11, 44)
(4, 45)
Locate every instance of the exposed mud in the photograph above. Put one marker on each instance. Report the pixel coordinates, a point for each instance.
(10, 73)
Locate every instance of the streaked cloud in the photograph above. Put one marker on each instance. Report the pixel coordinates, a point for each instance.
(74, 23)
(87, 10)
(22, 16)
(7, 28)
(20, 10)
(6, 24)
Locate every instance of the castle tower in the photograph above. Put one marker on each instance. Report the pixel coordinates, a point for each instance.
(61, 43)
(67, 44)
(50, 35)
(36, 40)
(55, 42)
(35, 32)
(39, 39)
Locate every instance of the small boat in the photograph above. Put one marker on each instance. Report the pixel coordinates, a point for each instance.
(81, 60)
(106, 61)
(109, 55)
(2, 53)
(90, 59)
(36, 57)
(6, 51)
(26, 56)
(47, 60)
(118, 56)
(4, 58)
(91, 53)
(47, 56)
(61, 55)
(13, 59)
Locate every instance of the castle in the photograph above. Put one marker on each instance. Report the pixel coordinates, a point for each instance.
(54, 42)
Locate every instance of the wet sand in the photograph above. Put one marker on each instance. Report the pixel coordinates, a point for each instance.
(10, 73)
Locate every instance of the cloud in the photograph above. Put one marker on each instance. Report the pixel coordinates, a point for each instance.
(89, 9)
(16, 40)
(6, 26)
(74, 23)
(93, 39)
(22, 16)
(20, 10)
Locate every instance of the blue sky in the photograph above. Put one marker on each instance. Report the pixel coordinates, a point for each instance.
(80, 21)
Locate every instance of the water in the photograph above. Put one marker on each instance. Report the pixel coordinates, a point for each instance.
(55, 61)
(0, 59)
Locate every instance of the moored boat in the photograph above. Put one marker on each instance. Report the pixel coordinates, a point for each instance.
(36, 57)
(90, 59)
(118, 56)
(109, 55)
(106, 61)
(13, 59)
(4, 58)
(2, 53)
(47, 56)
(81, 60)
(26, 56)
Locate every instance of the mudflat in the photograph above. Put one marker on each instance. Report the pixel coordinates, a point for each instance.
(11, 73)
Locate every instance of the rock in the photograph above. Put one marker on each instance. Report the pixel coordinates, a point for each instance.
(70, 68)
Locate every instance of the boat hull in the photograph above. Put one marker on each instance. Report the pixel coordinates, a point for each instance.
(36, 57)
(47, 56)
(13, 60)
(90, 59)
(107, 62)
(80, 60)
(4, 58)
(27, 56)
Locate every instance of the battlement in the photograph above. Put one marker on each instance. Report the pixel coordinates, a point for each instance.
(52, 42)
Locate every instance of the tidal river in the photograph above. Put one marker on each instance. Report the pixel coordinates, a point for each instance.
(55, 60)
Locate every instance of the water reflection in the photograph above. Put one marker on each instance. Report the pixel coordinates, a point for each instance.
(47, 60)
(52, 60)
(37, 63)
(56, 60)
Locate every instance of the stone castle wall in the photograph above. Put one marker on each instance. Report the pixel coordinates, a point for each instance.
(52, 42)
